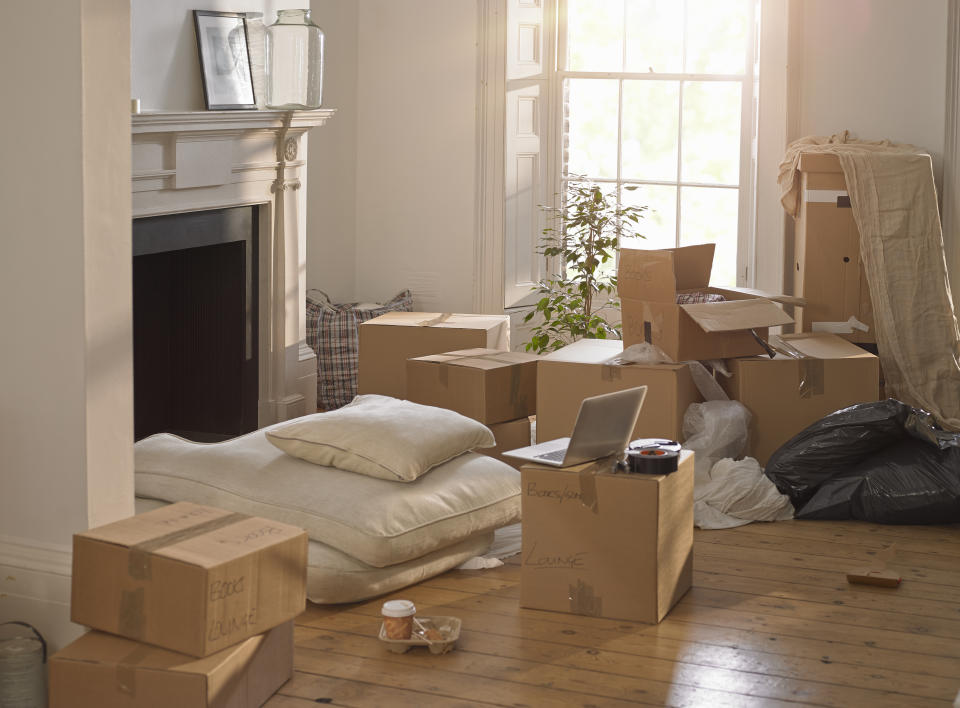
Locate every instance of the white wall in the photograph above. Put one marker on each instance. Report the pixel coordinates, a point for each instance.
(66, 412)
(332, 166)
(416, 151)
(876, 68)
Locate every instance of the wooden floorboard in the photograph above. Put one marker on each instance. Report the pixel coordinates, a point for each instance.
(770, 621)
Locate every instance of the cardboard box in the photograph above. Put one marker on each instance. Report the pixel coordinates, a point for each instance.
(606, 545)
(386, 342)
(649, 282)
(828, 272)
(509, 436)
(190, 578)
(567, 376)
(484, 384)
(103, 671)
(786, 394)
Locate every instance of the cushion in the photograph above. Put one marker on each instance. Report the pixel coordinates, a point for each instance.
(335, 577)
(381, 437)
(378, 522)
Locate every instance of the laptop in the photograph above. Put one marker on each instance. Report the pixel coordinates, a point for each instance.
(604, 426)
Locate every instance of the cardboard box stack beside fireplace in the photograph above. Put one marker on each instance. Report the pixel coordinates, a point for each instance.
(190, 605)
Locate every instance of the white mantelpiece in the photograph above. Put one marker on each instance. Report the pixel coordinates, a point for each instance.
(216, 159)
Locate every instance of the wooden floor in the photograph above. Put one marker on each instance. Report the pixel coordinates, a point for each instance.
(770, 620)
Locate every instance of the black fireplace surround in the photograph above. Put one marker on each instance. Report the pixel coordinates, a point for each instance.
(195, 324)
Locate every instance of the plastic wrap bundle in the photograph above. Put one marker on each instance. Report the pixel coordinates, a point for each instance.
(883, 462)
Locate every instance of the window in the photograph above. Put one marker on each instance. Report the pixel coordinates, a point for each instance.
(660, 94)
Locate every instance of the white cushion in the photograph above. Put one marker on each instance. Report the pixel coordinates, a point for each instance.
(378, 522)
(381, 437)
(334, 577)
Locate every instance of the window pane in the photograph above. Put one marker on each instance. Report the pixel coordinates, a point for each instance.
(717, 36)
(595, 35)
(709, 215)
(650, 118)
(659, 222)
(655, 36)
(711, 132)
(592, 127)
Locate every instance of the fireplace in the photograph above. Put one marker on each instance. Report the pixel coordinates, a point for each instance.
(195, 324)
(222, 315)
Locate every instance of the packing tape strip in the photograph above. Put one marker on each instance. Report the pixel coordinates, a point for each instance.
(588, 482)
(127, 669)
(435, 320)
(611, 372)
(810, 373)
(583, 600)
(131, 616)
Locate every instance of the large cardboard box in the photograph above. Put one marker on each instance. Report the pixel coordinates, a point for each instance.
(190, 578)
(820, 374)
(828, 272)
(606, 545)
(104, 671)
(484, 384)
(509, 436)
(649, 282)
(386, 342)
(567, 376)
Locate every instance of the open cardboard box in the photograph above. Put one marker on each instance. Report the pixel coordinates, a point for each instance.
(649, 282)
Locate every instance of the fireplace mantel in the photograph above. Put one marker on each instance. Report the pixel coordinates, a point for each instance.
(194, 161)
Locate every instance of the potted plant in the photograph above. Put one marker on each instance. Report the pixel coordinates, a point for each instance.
(582, 241)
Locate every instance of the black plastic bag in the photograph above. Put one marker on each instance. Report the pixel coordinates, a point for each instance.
(883, 462)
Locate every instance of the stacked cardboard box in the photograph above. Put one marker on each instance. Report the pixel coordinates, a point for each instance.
(497, 388)
(813, 375)
(193, 607)
(567, 376)
(606, 545)
(827, 271)
(665, 301)
(386, 342)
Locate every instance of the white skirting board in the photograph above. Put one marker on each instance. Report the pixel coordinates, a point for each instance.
(35, 588)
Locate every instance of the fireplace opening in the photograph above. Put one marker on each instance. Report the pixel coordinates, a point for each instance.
(195, 324)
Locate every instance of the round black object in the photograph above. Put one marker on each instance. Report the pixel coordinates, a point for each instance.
(659, 443)
(652, 460)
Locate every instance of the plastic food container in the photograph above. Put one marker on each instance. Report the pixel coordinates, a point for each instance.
(398, 619)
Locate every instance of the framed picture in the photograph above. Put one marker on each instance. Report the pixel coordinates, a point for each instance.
(224, 60)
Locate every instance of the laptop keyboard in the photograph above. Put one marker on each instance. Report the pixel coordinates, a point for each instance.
(553, 456)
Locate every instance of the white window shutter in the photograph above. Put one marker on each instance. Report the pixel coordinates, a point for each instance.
(527, 116)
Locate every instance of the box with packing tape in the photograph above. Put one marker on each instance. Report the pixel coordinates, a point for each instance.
(666, 300)
(190, 578)
(386, 342)
(567, 376)
(813, 375)
(484, 384)
(100, 670)
(606, 545)
(509, 436)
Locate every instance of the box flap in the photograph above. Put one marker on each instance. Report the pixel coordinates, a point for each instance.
(753, 292)
(736, 315)
(657, 275)
(819, 162)
(822, 345)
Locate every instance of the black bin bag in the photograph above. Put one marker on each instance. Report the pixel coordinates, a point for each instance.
(882, 462)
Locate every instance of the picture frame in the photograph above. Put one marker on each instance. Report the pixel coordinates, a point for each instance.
(224, 53)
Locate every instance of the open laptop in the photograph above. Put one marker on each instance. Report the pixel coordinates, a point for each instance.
(604, 426)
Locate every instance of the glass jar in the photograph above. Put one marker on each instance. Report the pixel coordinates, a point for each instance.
(294, 64)
(255, 46)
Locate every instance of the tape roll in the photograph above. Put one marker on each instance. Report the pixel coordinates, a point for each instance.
(652, 459)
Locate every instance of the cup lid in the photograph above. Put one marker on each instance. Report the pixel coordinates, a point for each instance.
(398, 608)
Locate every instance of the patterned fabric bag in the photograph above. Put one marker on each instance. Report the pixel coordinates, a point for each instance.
(333, 332)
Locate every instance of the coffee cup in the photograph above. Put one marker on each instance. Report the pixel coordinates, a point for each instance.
(398, 618)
